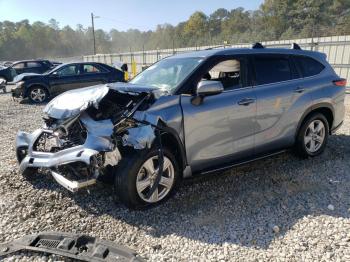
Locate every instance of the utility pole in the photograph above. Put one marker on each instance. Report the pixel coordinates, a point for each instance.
(93, 30)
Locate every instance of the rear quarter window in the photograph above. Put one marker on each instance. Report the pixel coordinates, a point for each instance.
(308, 66)
(271, 69)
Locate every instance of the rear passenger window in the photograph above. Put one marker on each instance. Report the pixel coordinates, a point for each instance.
(308, 66)
(271, 69)
(91, 69)
(33, 64)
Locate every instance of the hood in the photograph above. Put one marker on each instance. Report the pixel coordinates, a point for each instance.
(25, 76)
(71, 103)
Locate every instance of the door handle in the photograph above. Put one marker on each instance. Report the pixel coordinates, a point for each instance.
(299, 90)
(246, 101)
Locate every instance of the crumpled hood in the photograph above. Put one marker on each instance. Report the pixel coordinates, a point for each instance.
(71, 103)
(25, 76)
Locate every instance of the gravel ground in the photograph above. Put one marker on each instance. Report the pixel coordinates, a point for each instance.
(278, 209)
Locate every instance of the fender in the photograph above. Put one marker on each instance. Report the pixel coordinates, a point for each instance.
(179, 144)
(313, 108)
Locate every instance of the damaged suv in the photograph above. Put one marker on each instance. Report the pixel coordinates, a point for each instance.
(188, 114)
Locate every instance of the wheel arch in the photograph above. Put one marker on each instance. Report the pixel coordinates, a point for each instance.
(26, 93)
(324, 108)
(172, 141)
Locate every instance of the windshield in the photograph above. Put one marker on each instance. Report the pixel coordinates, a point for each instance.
(168, 73)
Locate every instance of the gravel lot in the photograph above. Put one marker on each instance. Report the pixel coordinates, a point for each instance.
(278, 209)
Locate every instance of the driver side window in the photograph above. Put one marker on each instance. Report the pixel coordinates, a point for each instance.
(228, 72)
(69, 70)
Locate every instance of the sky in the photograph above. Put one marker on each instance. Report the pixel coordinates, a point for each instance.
(121, 15)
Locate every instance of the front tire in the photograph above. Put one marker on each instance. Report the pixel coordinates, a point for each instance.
(135, 175)
(313, 136)
(38, 94)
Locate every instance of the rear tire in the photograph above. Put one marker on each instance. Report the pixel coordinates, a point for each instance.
(133, 178)
(312, 136)
(38, 94)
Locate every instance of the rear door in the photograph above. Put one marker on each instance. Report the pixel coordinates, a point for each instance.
(65, 78)
(92, 74)
(33, 67)
(221, 129)
(279, 91)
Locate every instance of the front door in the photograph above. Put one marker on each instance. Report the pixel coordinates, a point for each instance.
(65, 78)
(221, 129)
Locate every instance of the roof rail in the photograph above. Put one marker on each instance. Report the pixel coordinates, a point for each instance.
(257, 45)
(296, 46)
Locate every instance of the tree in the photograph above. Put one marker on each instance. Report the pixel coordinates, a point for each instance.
(275, 19)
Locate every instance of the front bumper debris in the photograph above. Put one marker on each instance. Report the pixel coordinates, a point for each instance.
(81, 153)
(75, 246)
(17, 91)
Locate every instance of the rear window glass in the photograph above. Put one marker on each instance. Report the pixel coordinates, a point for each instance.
(272, 69)
(308, 66)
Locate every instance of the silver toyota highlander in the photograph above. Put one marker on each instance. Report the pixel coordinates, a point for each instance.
(186, 115)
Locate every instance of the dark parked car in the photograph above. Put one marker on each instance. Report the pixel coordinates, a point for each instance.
(39, 87)
(9, 71)
(7, 63)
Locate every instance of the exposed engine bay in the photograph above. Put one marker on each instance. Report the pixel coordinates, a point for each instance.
(83, 132)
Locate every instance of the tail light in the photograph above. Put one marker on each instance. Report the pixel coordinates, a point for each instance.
(340, 82)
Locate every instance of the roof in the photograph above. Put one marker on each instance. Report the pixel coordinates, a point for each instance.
(238, 51)
(29, 60)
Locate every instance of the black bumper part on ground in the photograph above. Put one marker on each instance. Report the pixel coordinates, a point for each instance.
(76, 246)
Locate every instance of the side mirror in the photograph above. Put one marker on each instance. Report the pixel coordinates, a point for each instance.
(55, 74)
(206, 88)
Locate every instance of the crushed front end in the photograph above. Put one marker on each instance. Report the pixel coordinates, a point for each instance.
(82, 132)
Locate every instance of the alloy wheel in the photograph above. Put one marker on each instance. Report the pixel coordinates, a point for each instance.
(38, 95)
(147, 176)
(314, 136)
